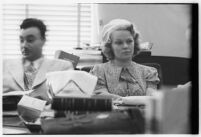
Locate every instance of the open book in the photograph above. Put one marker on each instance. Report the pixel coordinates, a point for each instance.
(17, 93)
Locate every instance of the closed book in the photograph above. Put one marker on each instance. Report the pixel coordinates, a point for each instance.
(10, 102)
(67, 56)
(11, 99)
(81, 104)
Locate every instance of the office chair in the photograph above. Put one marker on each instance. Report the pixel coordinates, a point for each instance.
(86, 68)
(175, 70)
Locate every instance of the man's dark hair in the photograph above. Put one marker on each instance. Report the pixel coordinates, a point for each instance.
(33, 22)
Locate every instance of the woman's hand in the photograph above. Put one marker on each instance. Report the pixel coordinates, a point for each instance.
(118, 101)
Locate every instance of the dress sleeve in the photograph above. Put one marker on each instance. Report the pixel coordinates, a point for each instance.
(151, 77)
(101, 83)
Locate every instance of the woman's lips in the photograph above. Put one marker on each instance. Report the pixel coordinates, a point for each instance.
(127, 52)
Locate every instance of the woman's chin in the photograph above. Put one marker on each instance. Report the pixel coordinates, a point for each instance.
(126, 59)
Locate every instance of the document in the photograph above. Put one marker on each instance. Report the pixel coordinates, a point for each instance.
(15, 130)
(132, 100)
(17, 93)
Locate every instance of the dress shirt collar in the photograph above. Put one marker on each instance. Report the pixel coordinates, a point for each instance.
(36, 63)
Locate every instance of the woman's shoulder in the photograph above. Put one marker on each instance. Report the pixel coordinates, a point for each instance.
(145, 68)
(149, 72)
(102, 65)
(100, 68)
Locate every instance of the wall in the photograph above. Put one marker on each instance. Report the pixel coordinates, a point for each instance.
(166, 25)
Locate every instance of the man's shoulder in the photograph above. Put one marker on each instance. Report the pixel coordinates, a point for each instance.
(12, 60)
(56, 61)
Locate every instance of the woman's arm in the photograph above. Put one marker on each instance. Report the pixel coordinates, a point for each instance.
(152, 80)
(101, 89)
(105, 94)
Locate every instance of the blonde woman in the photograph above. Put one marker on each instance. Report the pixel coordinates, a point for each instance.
(121, 76)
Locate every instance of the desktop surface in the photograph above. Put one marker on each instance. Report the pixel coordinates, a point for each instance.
(111, 122)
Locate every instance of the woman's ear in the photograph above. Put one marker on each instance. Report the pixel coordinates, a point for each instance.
(136, 49)
(136, 44)
(111, 51)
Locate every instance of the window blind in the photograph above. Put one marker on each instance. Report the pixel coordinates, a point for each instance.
(68, 26)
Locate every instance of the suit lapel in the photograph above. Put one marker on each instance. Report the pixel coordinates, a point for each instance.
(41, 75)
(16, 69)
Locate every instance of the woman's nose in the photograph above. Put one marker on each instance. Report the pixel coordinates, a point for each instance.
(125, 45)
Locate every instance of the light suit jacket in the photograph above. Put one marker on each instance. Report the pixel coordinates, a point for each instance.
(13, 75)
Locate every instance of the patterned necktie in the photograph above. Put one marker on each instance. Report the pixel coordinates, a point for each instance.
(30, 73)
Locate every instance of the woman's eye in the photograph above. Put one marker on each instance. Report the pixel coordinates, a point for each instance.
(129, 41)
(118, 42)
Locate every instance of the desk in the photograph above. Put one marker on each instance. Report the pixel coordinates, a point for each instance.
(13, 125)
(114, 122)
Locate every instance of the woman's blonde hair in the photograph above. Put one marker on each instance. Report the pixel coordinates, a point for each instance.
(117, 24)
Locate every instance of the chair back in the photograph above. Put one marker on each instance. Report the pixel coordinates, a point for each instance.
(175, 70)
(86, 68)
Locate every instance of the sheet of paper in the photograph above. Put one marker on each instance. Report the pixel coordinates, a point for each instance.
(135, 100)
(15, 93)
(15, 130)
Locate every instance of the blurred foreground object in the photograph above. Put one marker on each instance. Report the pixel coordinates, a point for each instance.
(29, 108)
(176, 110)
(172, 110)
